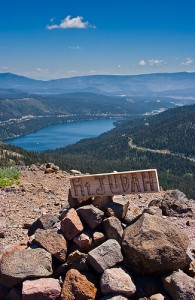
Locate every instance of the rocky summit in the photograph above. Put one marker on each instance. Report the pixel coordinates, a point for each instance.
(55, 247)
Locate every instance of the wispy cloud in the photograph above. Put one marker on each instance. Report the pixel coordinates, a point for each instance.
(188, 61)
(74, 47)
(69, 22)
(151, 62)
(156, 62)
(142, 62)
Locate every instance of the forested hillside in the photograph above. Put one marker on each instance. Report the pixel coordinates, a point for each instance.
(22, 114)
(111, 150)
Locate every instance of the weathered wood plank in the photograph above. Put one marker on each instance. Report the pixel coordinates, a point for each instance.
(119, 183)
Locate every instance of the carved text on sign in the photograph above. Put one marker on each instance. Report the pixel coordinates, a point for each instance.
(119, 183)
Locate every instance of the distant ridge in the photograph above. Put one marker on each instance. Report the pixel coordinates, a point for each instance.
(105, 84)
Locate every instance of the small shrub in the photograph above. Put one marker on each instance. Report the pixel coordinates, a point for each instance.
(9, 176)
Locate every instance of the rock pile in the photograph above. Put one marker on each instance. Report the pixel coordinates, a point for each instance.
(95, 250)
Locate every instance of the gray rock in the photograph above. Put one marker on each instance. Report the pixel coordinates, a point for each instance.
(177, 194)
(153, 210)
(129, 217)
(75, 172)
(118, 207)
(47, 221)
(116, 280)
(154, 245)
(180, 286)
(105, 256)
(91, 215)
(173, 204)
(113, 229)
(19, 265)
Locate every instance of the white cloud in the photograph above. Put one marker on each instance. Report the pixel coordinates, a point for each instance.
(142, 62)
(119, 66)
(74, 47)
(156, 62)
(188, 61)
(69, 22)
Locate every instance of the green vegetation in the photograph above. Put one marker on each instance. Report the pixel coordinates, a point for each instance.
(22, 114)
(9, 176)
(111, 151)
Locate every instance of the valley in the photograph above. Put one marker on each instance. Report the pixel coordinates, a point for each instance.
(159, 121)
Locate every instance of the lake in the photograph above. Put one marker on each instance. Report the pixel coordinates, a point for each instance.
(61, 135)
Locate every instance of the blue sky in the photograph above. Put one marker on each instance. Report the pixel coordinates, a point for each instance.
(63, 38)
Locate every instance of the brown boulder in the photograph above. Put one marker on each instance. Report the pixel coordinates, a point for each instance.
(154, 245)
(180, 286)
(53, 242)
(91, 215)
(118, 207)
(71, 224)
(78, 287)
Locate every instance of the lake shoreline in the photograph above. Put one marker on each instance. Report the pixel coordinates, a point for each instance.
(100, 125)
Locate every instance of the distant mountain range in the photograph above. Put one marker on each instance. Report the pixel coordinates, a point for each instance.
(170, 84)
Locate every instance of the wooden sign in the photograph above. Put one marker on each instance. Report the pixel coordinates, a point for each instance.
(119, 183)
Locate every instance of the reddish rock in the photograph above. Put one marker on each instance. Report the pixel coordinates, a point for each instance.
(71, 224)
(53, 242)
(49, 170)
(78, 287)
(41, 289)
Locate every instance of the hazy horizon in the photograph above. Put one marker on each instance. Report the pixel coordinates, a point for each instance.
(49, 40)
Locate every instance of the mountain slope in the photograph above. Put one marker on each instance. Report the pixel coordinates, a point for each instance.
(114, 84)
(111, 151)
